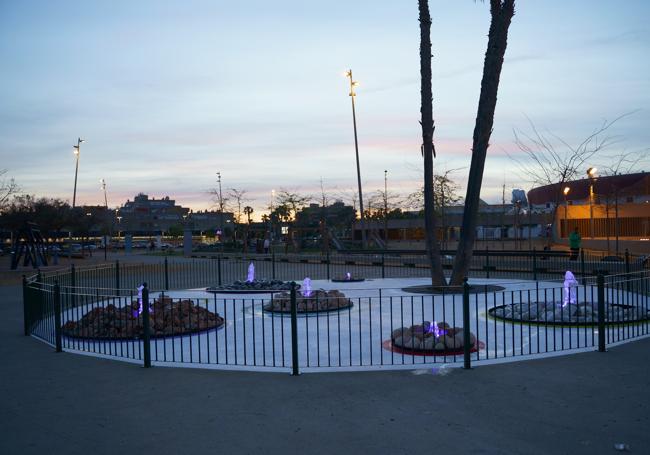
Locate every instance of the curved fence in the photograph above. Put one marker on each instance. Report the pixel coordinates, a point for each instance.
(175, 321)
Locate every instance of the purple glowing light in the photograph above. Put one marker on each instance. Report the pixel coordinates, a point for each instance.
(570, 291)
(251, 273)
(306, 287)
(348, 276)
(437, 331)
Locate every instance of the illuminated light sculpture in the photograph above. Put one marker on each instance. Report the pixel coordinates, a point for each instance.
(437, 331)
(306, 287)
(139, 311)
(251, 273)
(348, 276)
(570, 289)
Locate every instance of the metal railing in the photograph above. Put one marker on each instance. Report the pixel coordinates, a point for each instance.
(381, 327)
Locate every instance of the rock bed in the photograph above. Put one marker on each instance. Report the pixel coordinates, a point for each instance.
(571, 314)
(253, 286)
(423, 338)
(345, 279)
(319, 300)
(167, 317)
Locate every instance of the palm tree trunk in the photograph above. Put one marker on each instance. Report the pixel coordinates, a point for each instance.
(502, 12)
(428, 150)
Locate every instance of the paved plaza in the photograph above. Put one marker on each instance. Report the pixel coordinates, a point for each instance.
(67, 403)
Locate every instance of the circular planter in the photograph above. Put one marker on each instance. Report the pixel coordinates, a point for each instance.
(320, 301)
(448, 290)
(342, 279)
(167, 318)
(554, 313)
(430, 339)
(253, 287)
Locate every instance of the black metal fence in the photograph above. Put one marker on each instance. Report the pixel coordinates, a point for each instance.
(382, 327)
(175, 273)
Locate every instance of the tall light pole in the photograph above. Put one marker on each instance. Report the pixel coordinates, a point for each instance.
(221, 229)
(566, 209)
(354, 83)
(76, 149)
(103, 183)
(591, 174)
(271, 216)
(386, 207)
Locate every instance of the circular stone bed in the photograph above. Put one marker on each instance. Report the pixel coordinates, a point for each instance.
(554, 313)
(473, 289)
(250, 287)
(433, 338)
(166, 318)
(318, 301)
(345, 279)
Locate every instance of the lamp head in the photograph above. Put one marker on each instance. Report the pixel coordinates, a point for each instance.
(591, 172)
(566, 190)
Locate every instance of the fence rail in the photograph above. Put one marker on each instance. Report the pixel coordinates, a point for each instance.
(99, 310)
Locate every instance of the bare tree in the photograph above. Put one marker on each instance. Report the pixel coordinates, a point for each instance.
(501, 12)
(239, 198)
(547, 159)
(8, 188)
(622, 163)
(444, 194)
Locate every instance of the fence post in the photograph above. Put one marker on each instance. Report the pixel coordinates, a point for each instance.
(600, 281)
(294, 331)
(26, 318)
(117, 276)
(487, 262)
(146, 335)
(467, 364)
(383, 265)
(534, 263)
(627, 270)
(582, 266)
(219, 270)
(73, 285)
(166, 274)
(328, 264)
(57, 317)
(273, 264)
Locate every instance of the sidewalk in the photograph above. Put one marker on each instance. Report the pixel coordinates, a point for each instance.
(65, 403)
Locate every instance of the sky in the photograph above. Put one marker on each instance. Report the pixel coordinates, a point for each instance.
(167, 94)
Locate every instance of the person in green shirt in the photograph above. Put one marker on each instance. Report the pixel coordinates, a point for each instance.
(574, 243)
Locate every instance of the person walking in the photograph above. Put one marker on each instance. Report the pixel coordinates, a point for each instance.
(575, 241)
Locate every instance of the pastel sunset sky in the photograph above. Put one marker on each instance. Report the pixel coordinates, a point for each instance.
(167, 94)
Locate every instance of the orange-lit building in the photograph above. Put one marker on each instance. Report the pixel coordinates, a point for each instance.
(604, 207)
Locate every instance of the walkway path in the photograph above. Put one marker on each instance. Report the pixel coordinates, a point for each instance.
(65, 403)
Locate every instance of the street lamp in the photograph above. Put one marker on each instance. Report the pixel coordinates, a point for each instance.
(103, 183)
(76, 149)
(354, 83)
(566, 226)
(386, 207)
(591, 174)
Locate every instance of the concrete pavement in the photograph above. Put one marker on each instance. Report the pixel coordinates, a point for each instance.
(66, 403)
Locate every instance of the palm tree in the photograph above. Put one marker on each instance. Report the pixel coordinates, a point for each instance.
(428, 149)
(501, 12)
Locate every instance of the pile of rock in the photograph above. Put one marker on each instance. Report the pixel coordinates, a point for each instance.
(428, 337)
(572, 314)
(253, 286)
(348, 279)
(319, 300)
(167, 317)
